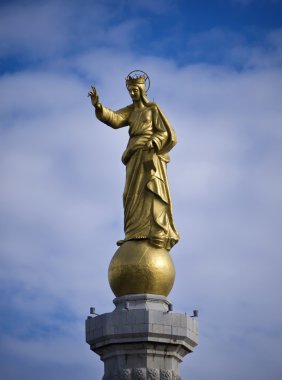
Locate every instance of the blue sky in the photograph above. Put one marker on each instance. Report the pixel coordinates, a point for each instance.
(215, 69)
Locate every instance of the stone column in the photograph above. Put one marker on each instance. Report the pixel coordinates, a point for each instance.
(142, 339)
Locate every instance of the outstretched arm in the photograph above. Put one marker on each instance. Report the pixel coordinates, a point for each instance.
(115, 119)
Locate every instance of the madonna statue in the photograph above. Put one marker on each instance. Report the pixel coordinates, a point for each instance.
(146, 198)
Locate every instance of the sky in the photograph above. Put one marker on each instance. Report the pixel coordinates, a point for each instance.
(216, 71)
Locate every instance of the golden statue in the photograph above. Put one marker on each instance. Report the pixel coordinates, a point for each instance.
(148, 220)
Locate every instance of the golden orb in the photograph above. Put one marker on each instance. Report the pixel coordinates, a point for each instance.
(137, 268)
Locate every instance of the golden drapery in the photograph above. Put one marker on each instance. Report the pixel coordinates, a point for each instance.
(146, 198)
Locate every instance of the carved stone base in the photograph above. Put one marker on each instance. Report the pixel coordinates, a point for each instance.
(141, 339)
(142, 374)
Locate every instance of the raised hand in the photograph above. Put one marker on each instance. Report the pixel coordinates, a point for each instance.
(94, 96)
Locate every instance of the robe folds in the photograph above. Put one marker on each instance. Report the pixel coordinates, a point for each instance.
(146, 197)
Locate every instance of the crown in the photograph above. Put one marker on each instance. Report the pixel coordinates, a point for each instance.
(131, 80)
(136, 77)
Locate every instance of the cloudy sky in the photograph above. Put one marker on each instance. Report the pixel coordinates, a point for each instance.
(216, 71)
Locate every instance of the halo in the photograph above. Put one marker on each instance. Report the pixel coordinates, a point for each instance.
(138, 73)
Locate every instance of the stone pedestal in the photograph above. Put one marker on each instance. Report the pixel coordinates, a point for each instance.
(142, 339)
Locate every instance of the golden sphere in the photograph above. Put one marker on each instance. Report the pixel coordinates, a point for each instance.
(137, 268)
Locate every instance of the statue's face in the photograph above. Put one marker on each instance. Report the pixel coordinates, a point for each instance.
(134, 92)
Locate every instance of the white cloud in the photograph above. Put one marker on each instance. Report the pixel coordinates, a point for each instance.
(252, 48)
(27, 28)
(41, 32)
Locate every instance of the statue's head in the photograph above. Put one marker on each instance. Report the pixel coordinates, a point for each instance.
(135, 92)
(136, 85)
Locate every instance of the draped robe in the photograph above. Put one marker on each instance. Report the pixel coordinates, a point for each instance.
(146, 198)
